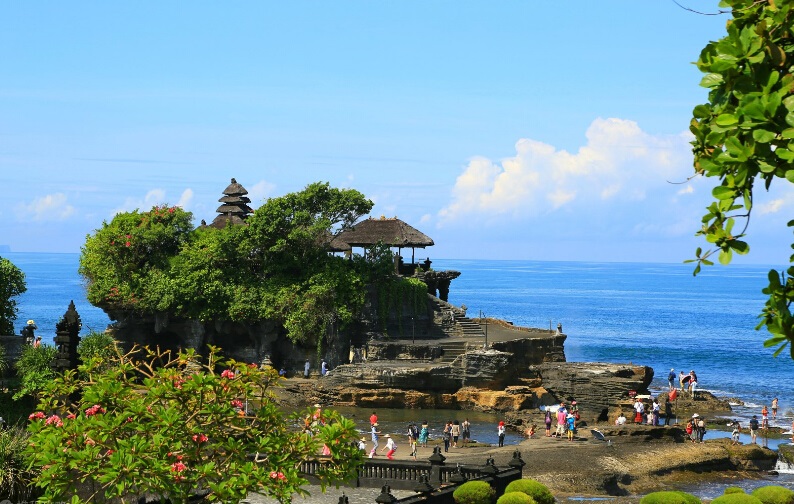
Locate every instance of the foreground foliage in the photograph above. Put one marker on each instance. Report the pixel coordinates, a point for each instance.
(12, 285)
(474, 492)
(744, 136)
(535, 489)
(15, 476)
(774, 494)
(172, 426)
(34, 371)
(669, 497)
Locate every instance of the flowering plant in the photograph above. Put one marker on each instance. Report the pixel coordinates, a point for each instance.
(171, 426)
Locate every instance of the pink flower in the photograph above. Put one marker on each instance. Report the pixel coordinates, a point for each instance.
(200, 438)
(93, 410)
(36, 416)
(171, 210)
(127, 244)
(178, 467)
(178, 383)
(278, 475)
(71, 416)
(54, 420)
(253, 365)
(227, 373)
(237, 403)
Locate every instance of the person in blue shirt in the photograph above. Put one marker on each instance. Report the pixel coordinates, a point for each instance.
(324, 368)
(671, 379)
(571, 420)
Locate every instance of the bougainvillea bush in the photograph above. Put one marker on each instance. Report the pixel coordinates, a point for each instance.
(177, 426)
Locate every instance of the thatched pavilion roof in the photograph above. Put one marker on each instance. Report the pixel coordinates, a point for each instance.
(235, 207)
(392, 232)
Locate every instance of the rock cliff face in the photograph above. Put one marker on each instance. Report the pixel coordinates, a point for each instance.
(596, 387)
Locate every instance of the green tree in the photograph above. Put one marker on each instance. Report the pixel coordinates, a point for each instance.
(12, 284)
(34, 371)
(745, 135)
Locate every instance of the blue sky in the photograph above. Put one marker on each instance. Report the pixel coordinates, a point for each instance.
(503, 130)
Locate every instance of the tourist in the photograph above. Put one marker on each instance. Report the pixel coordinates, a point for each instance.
(774, 408)
(306, 368)
(701, 429)
(323, 368)
(375, 433)
(548, 422)
(737, 429)
(531, 431)
(574, 410)
(671, 378)
(571, 424)
(27, 332)
(681, 380)
(455, 431)
(37, 343)
(690, 428)
(362, 445)
(655, 409)
(424, 433)
(282, 372)
(447, 434)
(390, 447)
(668, 411)
(764, 417)
(693, 382)
(621, 420)
(412, 435)
(753, 429)
(500, 431)
(561, 414)
(373, 419)
(465, 432)
(639, 411)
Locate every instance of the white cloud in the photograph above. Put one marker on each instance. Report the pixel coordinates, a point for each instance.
(152, 198)
(52, 207)
(185, 199)
(687, 189)
(773, 206)
(259, 191)
(618, 164)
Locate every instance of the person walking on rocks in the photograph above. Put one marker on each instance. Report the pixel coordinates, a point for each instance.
(668, 411)
(465, 432)
(412, 436)
(754, 429)
(764, 417)
(693, 383)
(639, 409)
(306, 368)
(561, 414)
(447, 435)
(681, 381)
(774, 408)
(500, 431)
(375, 433)
(655, 409)
(671, 378)
(737, 429)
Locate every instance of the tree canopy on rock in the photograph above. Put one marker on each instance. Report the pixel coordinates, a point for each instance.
(275, 267)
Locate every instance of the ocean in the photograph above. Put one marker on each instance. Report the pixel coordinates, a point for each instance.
(657, 315)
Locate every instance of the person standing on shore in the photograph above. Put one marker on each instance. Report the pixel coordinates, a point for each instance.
(447, 435)
(693, 383)
(465, 432)
(774, 408)
(561, 414)
(655, 410)
(306, 368)
(764, 417)
(500, 431)
(753, 429)
(390, 447)
(571, 421)
(737, 429)
(412, 435)
(424, 432)
(671, 378)
(28, 332)
(681, 381)
(548, 422)
(455, 431)
(639, 409)
(668, 411)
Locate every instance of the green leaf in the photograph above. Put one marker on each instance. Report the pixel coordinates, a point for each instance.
(784, 154)
(724, 193)
(787, 133)
(790, 176)
(726, 120)
(711, 80)
(725, 256)
(740, 247)
(701, 112)
(763, 136)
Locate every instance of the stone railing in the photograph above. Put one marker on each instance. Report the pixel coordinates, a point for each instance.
(433, 481)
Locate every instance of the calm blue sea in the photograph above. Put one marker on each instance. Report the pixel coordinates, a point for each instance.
(652, 314)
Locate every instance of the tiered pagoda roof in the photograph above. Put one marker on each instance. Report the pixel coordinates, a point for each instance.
(235, 207)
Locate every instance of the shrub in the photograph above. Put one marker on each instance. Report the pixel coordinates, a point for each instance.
(736, 498)
(34, 371)
(15, 477)
(100, 346)
(733, 490)
(175, 424)
(534, 489)
(669, 497)
(515, 498)
(474, 492)
(774, 494)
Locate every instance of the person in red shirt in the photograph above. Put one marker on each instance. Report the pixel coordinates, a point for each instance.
(373, 419)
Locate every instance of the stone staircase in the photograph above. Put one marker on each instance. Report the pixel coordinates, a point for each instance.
(454, 322)
(452, 349)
